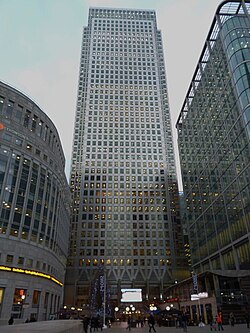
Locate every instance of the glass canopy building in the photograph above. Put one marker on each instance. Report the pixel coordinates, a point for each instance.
(214, 144)
(125, 215)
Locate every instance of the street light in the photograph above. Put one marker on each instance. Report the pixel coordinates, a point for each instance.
(116, 310)
(152, 307)
(22, 308)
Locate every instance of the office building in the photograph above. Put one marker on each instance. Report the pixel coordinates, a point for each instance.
(125, 214)
(34, 210)
(213, 138)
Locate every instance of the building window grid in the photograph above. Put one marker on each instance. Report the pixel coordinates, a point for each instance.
(218, 150)
(98, 104)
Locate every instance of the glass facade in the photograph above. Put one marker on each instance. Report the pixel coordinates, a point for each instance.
(34, 195)
(125, 214)
(213, 136)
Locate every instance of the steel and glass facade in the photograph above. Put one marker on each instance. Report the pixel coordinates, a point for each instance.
(34, 210)
(213, 137)
(125, 214)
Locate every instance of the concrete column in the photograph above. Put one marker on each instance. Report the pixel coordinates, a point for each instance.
(41, 315)
(216, 282)
(216, 288)
(7, 299)
(119, 293)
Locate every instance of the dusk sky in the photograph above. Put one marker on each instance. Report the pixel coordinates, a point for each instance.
(40, 45)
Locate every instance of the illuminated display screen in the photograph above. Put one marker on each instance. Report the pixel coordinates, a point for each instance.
(131, 295)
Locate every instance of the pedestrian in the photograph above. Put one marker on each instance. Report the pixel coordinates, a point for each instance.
(247, 318)
(151, 323)
(213, 325)
(184, 322)
(85, 324)
(96, 323)
(91, 323)
(232, 319)
(11, 321)
(219, 321)
(129, 324)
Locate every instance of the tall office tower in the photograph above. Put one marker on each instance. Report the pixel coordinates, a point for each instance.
(213, 135)
(125, 217)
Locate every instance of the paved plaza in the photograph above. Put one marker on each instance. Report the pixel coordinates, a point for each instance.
(122, 328)
(75, 326)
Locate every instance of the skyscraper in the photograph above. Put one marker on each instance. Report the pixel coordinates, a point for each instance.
(125, 215)
(214, 144)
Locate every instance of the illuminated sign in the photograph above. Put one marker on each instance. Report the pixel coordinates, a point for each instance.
(30, 272)
(170, 300)
(131, 295)
(195, 282)
(195, 297)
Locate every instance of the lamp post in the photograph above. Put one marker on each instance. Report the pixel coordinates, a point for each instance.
(104, 300)
(116, 310)
(22, 308)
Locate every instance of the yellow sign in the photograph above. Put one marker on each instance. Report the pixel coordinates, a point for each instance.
(30, 272)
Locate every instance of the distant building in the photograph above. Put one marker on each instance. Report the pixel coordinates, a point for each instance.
(34, 210)
(214, 144)
(125, 214)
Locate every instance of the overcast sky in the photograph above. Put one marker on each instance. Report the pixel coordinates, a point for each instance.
(40, 44)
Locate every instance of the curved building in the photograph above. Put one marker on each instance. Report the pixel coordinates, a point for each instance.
(214, 144)
(34, 210)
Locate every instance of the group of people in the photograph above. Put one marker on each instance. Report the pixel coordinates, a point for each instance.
(151, 323)
(94, 323)
(217, 323)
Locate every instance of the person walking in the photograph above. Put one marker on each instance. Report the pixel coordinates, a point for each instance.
(151, 323)
(247, 318)
(129, 323)
(85, 324)
(184, 321)
(213, 324)
(232, 319)
(219, 321)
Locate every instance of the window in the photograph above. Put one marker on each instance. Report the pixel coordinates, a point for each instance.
(18, 142)
(29, 262)
(7, 137)
(19, 296)
(1, 296)
(29, 147)
(19, 113)
(9, 259)
(27, 118)
(46, 300)
(1, 104)
(20, 261)
(36, 298)
(9, 110)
